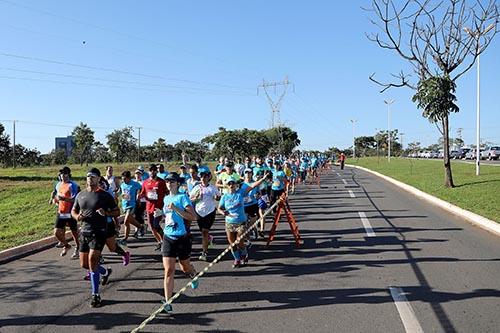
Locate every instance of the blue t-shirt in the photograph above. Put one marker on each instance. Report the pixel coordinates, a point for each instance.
(250, 198)
(129, 193)
(145, 175)
(162, 175)
(303, 166)
(279, 178)
(174, 223)
(234, 204)
(314, 162)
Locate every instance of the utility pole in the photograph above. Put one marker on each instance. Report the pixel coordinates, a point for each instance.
(139, 145)
(353, 121)
(14, 143)
(376, 140)
(389, 102)
(275, 104)
(401, 139)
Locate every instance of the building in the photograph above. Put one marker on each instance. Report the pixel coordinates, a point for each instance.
(67, 144)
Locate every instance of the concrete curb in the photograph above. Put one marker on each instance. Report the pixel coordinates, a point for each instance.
(473, 218)
(30, 248)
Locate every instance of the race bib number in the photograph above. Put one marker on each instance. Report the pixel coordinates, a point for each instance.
(152, 195)
(276, 183)
(126, 195)
(169, 221)
(65, 216)
(247, 200)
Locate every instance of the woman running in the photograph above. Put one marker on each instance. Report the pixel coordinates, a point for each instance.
(232, 207)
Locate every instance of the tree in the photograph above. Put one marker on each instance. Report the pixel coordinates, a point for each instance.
(84, 140)
(5, 147)
(437, 40)
(160, 149)
(413, 147)
(194, 150)
(283, 139)
(100, 153)
(122, 145)
(364, 145)
(55, 157)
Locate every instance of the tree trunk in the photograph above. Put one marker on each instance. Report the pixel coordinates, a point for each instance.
(448, 178)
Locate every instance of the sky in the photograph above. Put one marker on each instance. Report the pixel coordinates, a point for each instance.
(182, 69)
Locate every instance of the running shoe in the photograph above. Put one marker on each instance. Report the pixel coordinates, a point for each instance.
(75, 255)
(59, 245)
(158, 247)
(244, 259)
(122, 242)
(126, 258)
(167, 307)
(87, 276)
(105, 278)
(65, 250)
(261, 234)
(203, 256)
(211, 241)
(142, 230)
(95, 302)
(195, 283)
(101, 260)
(136, 234)
(236, 263)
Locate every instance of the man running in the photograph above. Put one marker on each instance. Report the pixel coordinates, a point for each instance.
(64, 195)
(92, 207)
(154, 190)
(130, 191)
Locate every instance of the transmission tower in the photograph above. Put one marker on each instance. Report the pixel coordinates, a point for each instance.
(275, 105)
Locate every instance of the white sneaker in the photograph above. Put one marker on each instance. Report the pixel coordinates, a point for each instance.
(76, 254)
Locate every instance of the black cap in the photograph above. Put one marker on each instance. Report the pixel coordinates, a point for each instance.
(229, 164)
(174, 176)
(94, 172)
(153, 167)
(65, 171)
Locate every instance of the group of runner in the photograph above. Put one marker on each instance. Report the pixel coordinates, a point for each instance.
(168, 202)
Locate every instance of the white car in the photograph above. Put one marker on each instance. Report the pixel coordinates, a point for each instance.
(491, 153)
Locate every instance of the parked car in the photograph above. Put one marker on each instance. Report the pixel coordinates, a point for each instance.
(491, 153)
(440, 154)
(462, 152)
(471, 154)
(434, 154)
(454, 154)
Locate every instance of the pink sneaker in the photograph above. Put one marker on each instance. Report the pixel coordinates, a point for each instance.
(126, 258)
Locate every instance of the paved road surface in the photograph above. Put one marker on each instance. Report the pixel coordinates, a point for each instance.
(374, 259)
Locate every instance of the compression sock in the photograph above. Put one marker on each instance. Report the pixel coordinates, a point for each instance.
(102, 270)
(236, 254)
(94, 281)
(244, 251)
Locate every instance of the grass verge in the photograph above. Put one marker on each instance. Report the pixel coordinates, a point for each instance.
(478, 194)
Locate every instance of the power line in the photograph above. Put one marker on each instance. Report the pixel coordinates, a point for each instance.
(112, 80)
(120, 87)
(129, 36)
(71, 64)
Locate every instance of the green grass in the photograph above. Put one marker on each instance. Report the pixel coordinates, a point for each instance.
(25, 214)
(478, 194)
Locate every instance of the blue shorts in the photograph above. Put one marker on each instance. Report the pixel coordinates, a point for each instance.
(262, 204)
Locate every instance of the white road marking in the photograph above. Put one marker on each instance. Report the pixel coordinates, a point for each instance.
(351, 193)
(345, 182)
(405, 310)
(366, 224)
(338, 174)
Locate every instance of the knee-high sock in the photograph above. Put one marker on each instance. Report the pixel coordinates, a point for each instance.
(119, 250)
(94, 281)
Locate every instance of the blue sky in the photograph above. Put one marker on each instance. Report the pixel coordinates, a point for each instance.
(182, 69)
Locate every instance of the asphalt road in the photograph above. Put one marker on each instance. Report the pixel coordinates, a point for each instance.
(374, 259)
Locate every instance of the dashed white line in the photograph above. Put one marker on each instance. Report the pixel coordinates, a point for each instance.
(338, 174)
(405, 310)
(366, 224)
(344, 181)
(351, 193)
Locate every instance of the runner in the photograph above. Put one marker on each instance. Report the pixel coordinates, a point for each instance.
(140, 208)
(177, 242)
(130, 191)
(154, 190)
(232, 207)
(193, 179)
(251, 202)
(342, 160)
(91, 207)
(239, 167)
(278, 184)
(63, 196)
(113, 183)
(204, 196)
(162, 173)
(226, 174)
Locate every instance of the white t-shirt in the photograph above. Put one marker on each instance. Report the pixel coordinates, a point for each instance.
(207, 203)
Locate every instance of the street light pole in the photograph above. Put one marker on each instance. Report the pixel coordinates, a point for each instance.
(477, 34)
(353, 121)
(389, 102)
